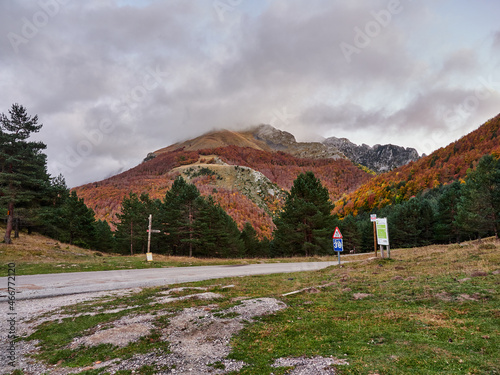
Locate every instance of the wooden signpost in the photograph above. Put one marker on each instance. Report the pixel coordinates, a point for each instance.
(149, 254)
(373, 218)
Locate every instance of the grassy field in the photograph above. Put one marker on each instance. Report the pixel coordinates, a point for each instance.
(36, 254)
(432, 310)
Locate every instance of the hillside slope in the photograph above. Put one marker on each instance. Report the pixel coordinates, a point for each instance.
(251, 192)
(443, 166)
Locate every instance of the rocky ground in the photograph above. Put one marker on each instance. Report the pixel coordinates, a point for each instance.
(198, 337)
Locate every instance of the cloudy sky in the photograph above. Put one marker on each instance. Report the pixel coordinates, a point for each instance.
(112, 80)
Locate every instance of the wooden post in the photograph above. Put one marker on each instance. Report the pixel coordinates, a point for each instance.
(382, 251)
(149, 233)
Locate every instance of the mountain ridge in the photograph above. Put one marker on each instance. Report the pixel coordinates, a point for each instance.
(443, 166)
(379, 158)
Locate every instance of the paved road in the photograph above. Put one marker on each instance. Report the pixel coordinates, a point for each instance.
(52, 285)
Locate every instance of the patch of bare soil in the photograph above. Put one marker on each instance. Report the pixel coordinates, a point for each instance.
(309, 366)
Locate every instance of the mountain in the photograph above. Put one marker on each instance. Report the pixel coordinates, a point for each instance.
(262, 138)
(443, 166)
(247, 173)
(379, 158)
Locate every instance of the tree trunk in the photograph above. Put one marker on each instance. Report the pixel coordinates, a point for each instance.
(10, 218)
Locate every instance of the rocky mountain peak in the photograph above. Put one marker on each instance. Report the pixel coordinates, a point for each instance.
(274, 138)
(379, 158)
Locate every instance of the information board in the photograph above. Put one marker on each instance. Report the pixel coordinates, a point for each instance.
(382, 231)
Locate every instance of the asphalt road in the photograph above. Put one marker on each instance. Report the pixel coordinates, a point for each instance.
(52, 285)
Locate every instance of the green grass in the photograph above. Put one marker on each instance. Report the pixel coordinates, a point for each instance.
(414, 326)
(432, 310)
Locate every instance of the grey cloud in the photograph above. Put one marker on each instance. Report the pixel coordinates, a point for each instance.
(163, 71)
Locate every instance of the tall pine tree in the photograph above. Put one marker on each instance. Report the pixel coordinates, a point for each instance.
(179, 210)
(131, 229)
(23, 173)
(304, 226)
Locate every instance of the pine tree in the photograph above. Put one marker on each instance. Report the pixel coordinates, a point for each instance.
(304, 226)
(479, 206)
(351, 234)
(217, 232)
(104, 239)
(77, 222)
(197, 226)
(446, 229)
(179, 215)
(251, 243)
(133, 222)
(24, 180)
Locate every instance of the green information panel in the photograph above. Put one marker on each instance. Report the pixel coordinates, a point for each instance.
(382, 232)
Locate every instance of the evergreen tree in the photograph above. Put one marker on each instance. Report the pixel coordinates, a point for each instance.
(216, 232)
(304, 227)
(77, 222)
(252, 246)
(479, 206)
(351, 234)
(104, 239)
(411, 223)
(179, 215)
(131, 230)
(446, 229)
(23, 173)
(197, 226)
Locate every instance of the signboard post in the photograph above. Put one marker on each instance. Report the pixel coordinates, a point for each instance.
(383, 236)
(373, 218)
(338, 242)
(149, 254)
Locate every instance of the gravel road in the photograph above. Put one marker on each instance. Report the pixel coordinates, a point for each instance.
(194, 348)
(60, 284)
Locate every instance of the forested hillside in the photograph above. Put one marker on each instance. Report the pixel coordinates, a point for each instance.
(442, 167)
(156, 175)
